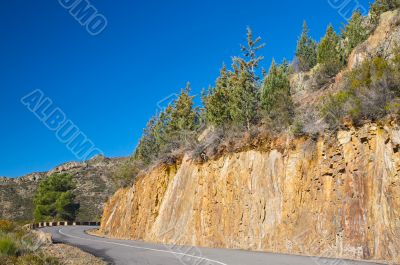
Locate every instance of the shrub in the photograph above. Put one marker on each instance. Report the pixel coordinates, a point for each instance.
(371, 91)
(8, 246)
(381, 6)
(6, 226)
(125, 174)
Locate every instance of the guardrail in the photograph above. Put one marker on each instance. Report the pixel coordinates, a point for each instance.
(48, 224)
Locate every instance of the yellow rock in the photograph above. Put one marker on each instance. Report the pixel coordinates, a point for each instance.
(338, 196)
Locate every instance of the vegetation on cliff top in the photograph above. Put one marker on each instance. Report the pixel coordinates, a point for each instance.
(247, 100)
(19, 246)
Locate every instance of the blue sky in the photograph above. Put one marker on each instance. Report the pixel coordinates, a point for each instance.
(109, 84)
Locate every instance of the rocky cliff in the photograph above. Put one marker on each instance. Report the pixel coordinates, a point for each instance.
(338, 195)
(94, 187)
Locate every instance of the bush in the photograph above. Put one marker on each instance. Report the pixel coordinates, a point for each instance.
(8, 246)
(6, 226)
(371, 91)
(381, 6)
(125, 174)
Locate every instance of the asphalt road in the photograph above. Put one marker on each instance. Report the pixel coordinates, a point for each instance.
(127, 252)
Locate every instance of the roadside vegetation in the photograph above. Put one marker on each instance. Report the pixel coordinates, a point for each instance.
(19, 246)
(247, 102)
(55, 199)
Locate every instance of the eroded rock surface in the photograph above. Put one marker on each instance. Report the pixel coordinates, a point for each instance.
(337, 196)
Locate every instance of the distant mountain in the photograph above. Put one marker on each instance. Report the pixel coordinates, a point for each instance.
(94, 186)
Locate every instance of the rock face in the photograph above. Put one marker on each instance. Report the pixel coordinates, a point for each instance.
(385, 38)
(336, 196)
(94, 187)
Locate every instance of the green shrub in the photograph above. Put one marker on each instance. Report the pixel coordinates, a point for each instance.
(381, 6)
(8, 247)
(371, 91)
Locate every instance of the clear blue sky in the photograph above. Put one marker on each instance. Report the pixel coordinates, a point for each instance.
(109, 84)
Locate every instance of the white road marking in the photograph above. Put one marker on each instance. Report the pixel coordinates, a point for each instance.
(143, 248)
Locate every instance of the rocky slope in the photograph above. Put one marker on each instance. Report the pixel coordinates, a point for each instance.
(94, 187)
(337, 195)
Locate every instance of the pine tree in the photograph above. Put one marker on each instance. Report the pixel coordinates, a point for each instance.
(251, 61)
(148, 147)
(244, 100)
(244, 82)
(329, 54)
(276, 101)
(55, 200)
(354, 33)
(306, 51)
(183, 117)
(216, 102)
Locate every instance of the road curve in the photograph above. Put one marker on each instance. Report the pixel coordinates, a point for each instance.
(128, 252)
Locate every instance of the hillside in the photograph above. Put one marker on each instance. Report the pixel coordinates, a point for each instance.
(329, 189)
(94, 186)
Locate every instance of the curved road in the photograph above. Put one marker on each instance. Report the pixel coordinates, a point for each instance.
(128, 252)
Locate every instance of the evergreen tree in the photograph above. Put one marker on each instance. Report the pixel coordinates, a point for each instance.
(276, 101)
(216, 102)
(306, 51)
(244, 100)
(148, 147)
(251, 60)
(54, 199)
(354, 33)
(244, 82)
(329, 53)
(183, 117)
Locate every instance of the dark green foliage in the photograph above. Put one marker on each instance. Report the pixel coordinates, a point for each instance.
(183, 117)
(217, 101)
(306, 51)
(54, 199)
(354, 33)
(329, 53)
(276, 101)
(244, 99)
(244, 83)
(381, 6)
(148, 147)
(172, 129)
(234, 99)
